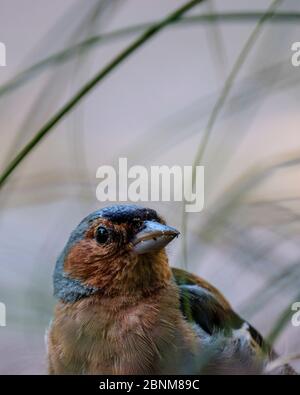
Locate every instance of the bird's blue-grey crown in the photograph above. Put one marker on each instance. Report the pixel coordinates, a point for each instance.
(70, 290)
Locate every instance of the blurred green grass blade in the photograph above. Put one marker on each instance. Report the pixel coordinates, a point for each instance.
(221, 101)
(275, 284)
(152, 31)
(245, 183)
(56, 84)
(92, 42)
(216, 44)
(183, 124)
(231, 78)
(47, 43)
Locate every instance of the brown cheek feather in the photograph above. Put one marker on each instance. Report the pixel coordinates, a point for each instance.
(86, 262)
(121, 273)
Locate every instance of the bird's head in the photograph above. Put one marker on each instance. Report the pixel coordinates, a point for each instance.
(117, 250)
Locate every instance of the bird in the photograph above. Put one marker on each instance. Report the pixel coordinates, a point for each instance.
(121, 308)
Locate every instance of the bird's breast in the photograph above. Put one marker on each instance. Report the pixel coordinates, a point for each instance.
(121, 336)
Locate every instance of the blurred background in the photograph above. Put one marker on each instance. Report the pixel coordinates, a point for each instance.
(215, 88)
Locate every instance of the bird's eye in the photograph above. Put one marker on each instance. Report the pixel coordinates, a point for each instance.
(137, 222)
(101, 235)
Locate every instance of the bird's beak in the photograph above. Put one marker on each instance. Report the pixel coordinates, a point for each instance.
(152, 237)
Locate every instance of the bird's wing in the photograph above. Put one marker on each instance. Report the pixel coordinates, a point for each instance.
(204, 305)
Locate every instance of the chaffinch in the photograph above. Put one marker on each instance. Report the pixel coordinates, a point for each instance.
(122, 310)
